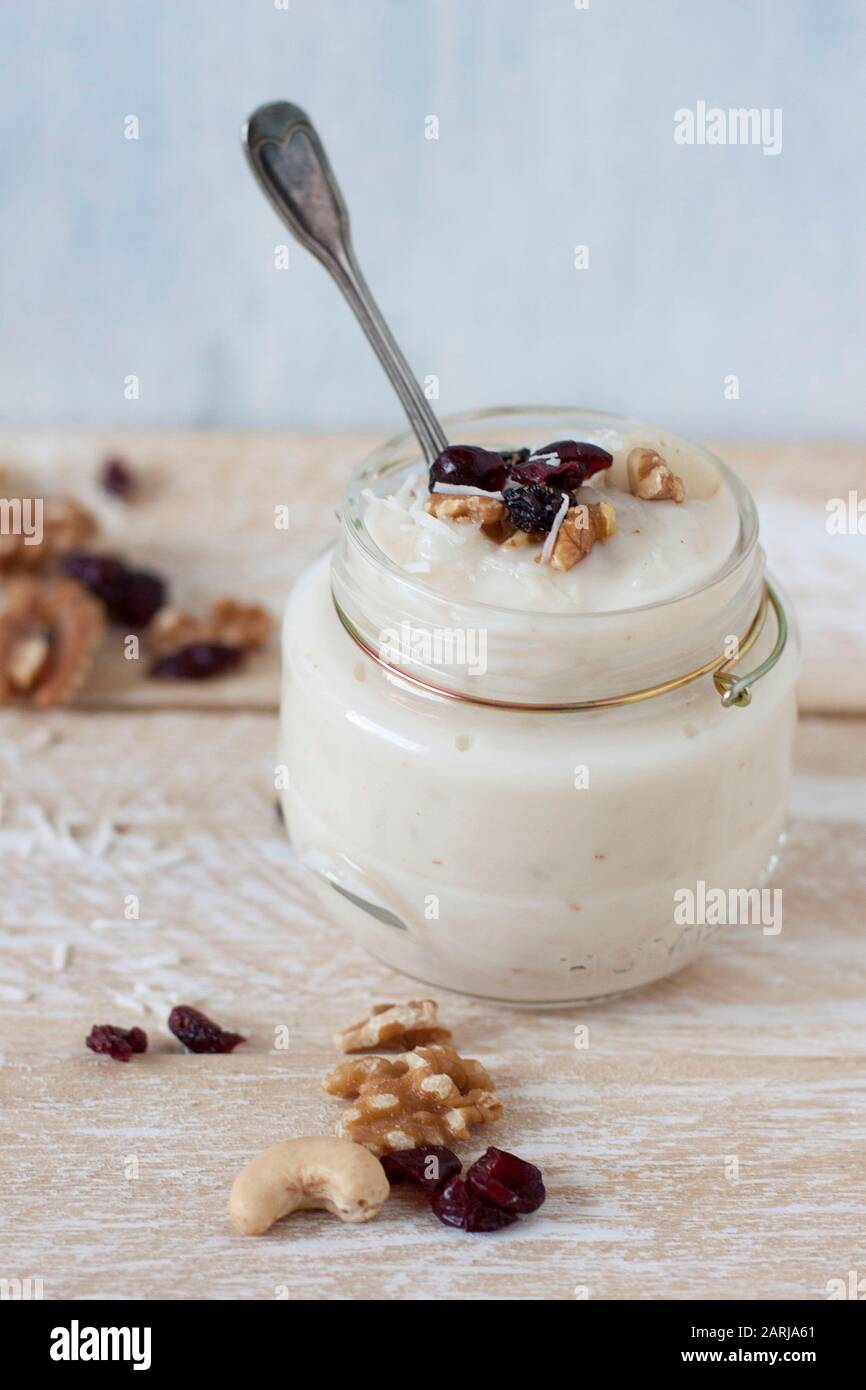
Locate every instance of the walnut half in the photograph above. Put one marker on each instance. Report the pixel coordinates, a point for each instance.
(484, 511)
(583, 526)
(66, 526)
(231, 624)
(49, 633)
(650, 478)
(396, 1026)
(429, 1096)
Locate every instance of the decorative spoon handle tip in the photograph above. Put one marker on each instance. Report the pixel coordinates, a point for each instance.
(289, 161)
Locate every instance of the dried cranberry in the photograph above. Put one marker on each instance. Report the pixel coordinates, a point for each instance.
(143, 596)
(467, 465)
(429, 1166)
(510, 457)
(571, 465)
(130, 596)
(119, 1043)
(197, 662)
(507, 1181)
(199, 1033)
(103, 575)
(532, 508)
(456, 1205)
(118, 479)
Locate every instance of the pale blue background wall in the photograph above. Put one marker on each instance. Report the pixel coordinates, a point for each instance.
(156, 257)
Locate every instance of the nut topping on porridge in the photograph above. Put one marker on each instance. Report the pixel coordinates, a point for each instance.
(429, 1096)
(484, 511)
(397, 1026)
(650, 478)
(582, 527)
(549, 505)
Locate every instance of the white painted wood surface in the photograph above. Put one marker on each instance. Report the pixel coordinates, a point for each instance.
(114, 1179)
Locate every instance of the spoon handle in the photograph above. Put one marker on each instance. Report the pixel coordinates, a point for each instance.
(287, 158)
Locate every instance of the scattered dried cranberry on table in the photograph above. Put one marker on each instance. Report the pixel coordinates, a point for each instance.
(118, 479)
(428, 1167)
(130, 596)
(196, 662)
(497, 1188)
(506, 1180)
(119, 1043)
(456, 1204)
(199, 1033)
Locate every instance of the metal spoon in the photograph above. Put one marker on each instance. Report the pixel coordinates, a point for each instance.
(287, 158)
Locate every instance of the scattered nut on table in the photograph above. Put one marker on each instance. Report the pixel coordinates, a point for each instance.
(228, 623)
(318, 1173)
(49, 634)
(429, 1096)
(397, 1026)
(66, 526)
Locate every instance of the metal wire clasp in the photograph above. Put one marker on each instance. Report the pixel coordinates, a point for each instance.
(737, 690)
(734, 690)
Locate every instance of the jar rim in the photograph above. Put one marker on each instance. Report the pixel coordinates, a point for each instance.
(379, 462)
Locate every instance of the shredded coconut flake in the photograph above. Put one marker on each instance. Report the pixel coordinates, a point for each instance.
(461, 490)
(60, 955)
(126, 1001)
(164, 958)
(547, 549)
(12, 994)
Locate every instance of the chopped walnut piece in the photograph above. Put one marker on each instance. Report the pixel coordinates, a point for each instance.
(501, 532)
(650, 478)
(66, 525)
(521, 538)
(396, 1026)
(227, 624)
(235, 624)
(428, 1096)
(27, 659)
(583, 526)
(49, 632)
(170, 629)
(484, 511)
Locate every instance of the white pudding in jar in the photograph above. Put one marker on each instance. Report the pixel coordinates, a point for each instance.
(503, 776)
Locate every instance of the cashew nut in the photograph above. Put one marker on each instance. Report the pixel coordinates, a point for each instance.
(332, 1174)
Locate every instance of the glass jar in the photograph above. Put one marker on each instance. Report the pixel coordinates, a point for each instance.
(521, 827)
